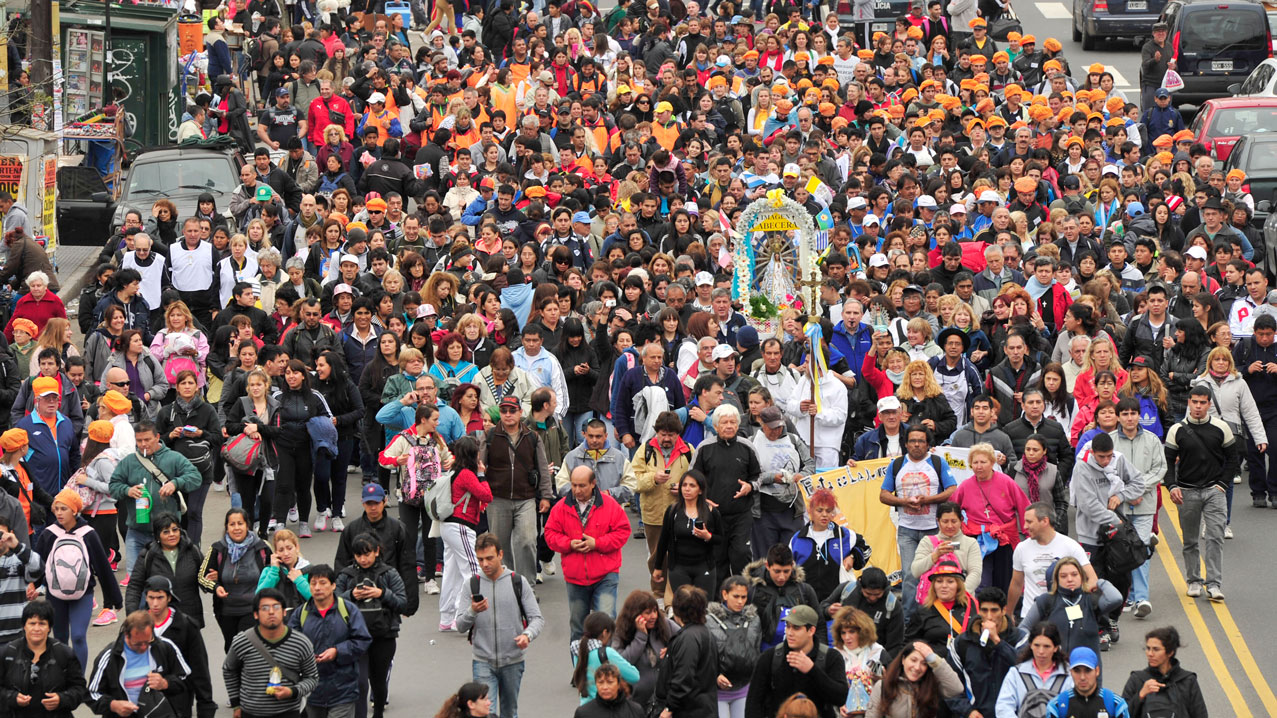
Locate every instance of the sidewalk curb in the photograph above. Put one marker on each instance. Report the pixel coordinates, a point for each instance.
(71, 290)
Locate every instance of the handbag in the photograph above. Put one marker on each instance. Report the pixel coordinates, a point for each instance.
(1004, 25)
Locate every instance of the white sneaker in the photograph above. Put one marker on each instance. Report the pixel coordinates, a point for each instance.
(1194, 590)
(549, 568)
(292, 515)
(1215, 594)
(1142, 609)
(303, 530)
(431, 588)
(219, 486)
(338, 524)
(321, 521)
(1228, 531)
(270, 527)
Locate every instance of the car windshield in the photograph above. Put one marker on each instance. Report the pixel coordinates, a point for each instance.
(1212, 31)
(160, 179)
(1234, 122)
(1261, 158)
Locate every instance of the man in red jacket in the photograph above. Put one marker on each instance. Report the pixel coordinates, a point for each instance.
(589, 528)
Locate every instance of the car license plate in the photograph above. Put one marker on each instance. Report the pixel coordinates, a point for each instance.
(1221, 65)
(1137, 5)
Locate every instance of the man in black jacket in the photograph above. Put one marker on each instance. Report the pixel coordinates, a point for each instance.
(278, 180)
(244, 301)
(799, 665)
(870, 595)
(166, 683)
(396, 549)
(178, 628)
(1033, 421)
(389, 174)
(779, 586)
(1202, 456)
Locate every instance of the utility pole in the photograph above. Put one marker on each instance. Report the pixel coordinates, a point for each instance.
(40, 47)
(106, 55)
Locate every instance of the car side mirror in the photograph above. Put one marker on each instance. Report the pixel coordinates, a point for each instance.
(100, 197)
(1235, 88)
(1264, 206)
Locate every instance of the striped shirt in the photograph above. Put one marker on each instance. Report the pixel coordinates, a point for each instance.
(246, 673)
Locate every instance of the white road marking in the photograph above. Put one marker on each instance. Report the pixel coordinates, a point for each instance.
(1054, 10)
(1118, 80)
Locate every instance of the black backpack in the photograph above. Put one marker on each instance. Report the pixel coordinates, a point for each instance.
(517, 584)
(1123, 549)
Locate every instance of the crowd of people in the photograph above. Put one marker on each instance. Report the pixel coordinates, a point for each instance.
(492, 278)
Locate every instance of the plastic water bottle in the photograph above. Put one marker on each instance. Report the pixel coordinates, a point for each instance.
(984, 637)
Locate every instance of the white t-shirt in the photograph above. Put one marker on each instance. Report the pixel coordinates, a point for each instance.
(916, 478)
(893, 445)
(1033, 559)
(820, 537)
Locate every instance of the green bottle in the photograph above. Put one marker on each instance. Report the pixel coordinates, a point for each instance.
(142, 506)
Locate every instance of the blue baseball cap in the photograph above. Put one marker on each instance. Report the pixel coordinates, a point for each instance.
(581, 217)
(1135, 209)
(373, 493)
(1081, 657)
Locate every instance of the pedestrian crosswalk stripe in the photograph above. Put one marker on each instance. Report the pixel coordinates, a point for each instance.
(1119, 80)
(1054, 10)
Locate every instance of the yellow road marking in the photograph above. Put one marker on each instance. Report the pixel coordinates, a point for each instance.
(1244, 656)
(1203, 633)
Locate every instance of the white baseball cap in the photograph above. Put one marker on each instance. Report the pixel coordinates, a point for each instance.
(703, 278)
(856, 203)
(1196, 252)
(878, 260)
(958, 209)
(927, 200)
(349, 258)
(871, 219)
(792, 170)
(989, 196)
(376, 97)
(723, 351)
(1110, 170)
(888, 403)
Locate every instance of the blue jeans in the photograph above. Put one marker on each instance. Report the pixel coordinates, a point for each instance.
(575, 425)
(503, 686)
(584, 600)
(907, 541)
(1139, 577)
(135, 542)
(71, 619)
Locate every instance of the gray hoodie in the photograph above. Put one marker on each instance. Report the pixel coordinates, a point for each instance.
(1148, 456)
(967, 436)
(496, 628)
(1091, 487)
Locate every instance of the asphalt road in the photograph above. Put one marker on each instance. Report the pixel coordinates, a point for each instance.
(1231, 646)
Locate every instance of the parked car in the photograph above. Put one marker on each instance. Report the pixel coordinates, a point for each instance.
(83, 218)
(1255, 154)
(1220, 122)
(1096, 19)
(181, 175)
(1215, 44)
(1262, 81)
